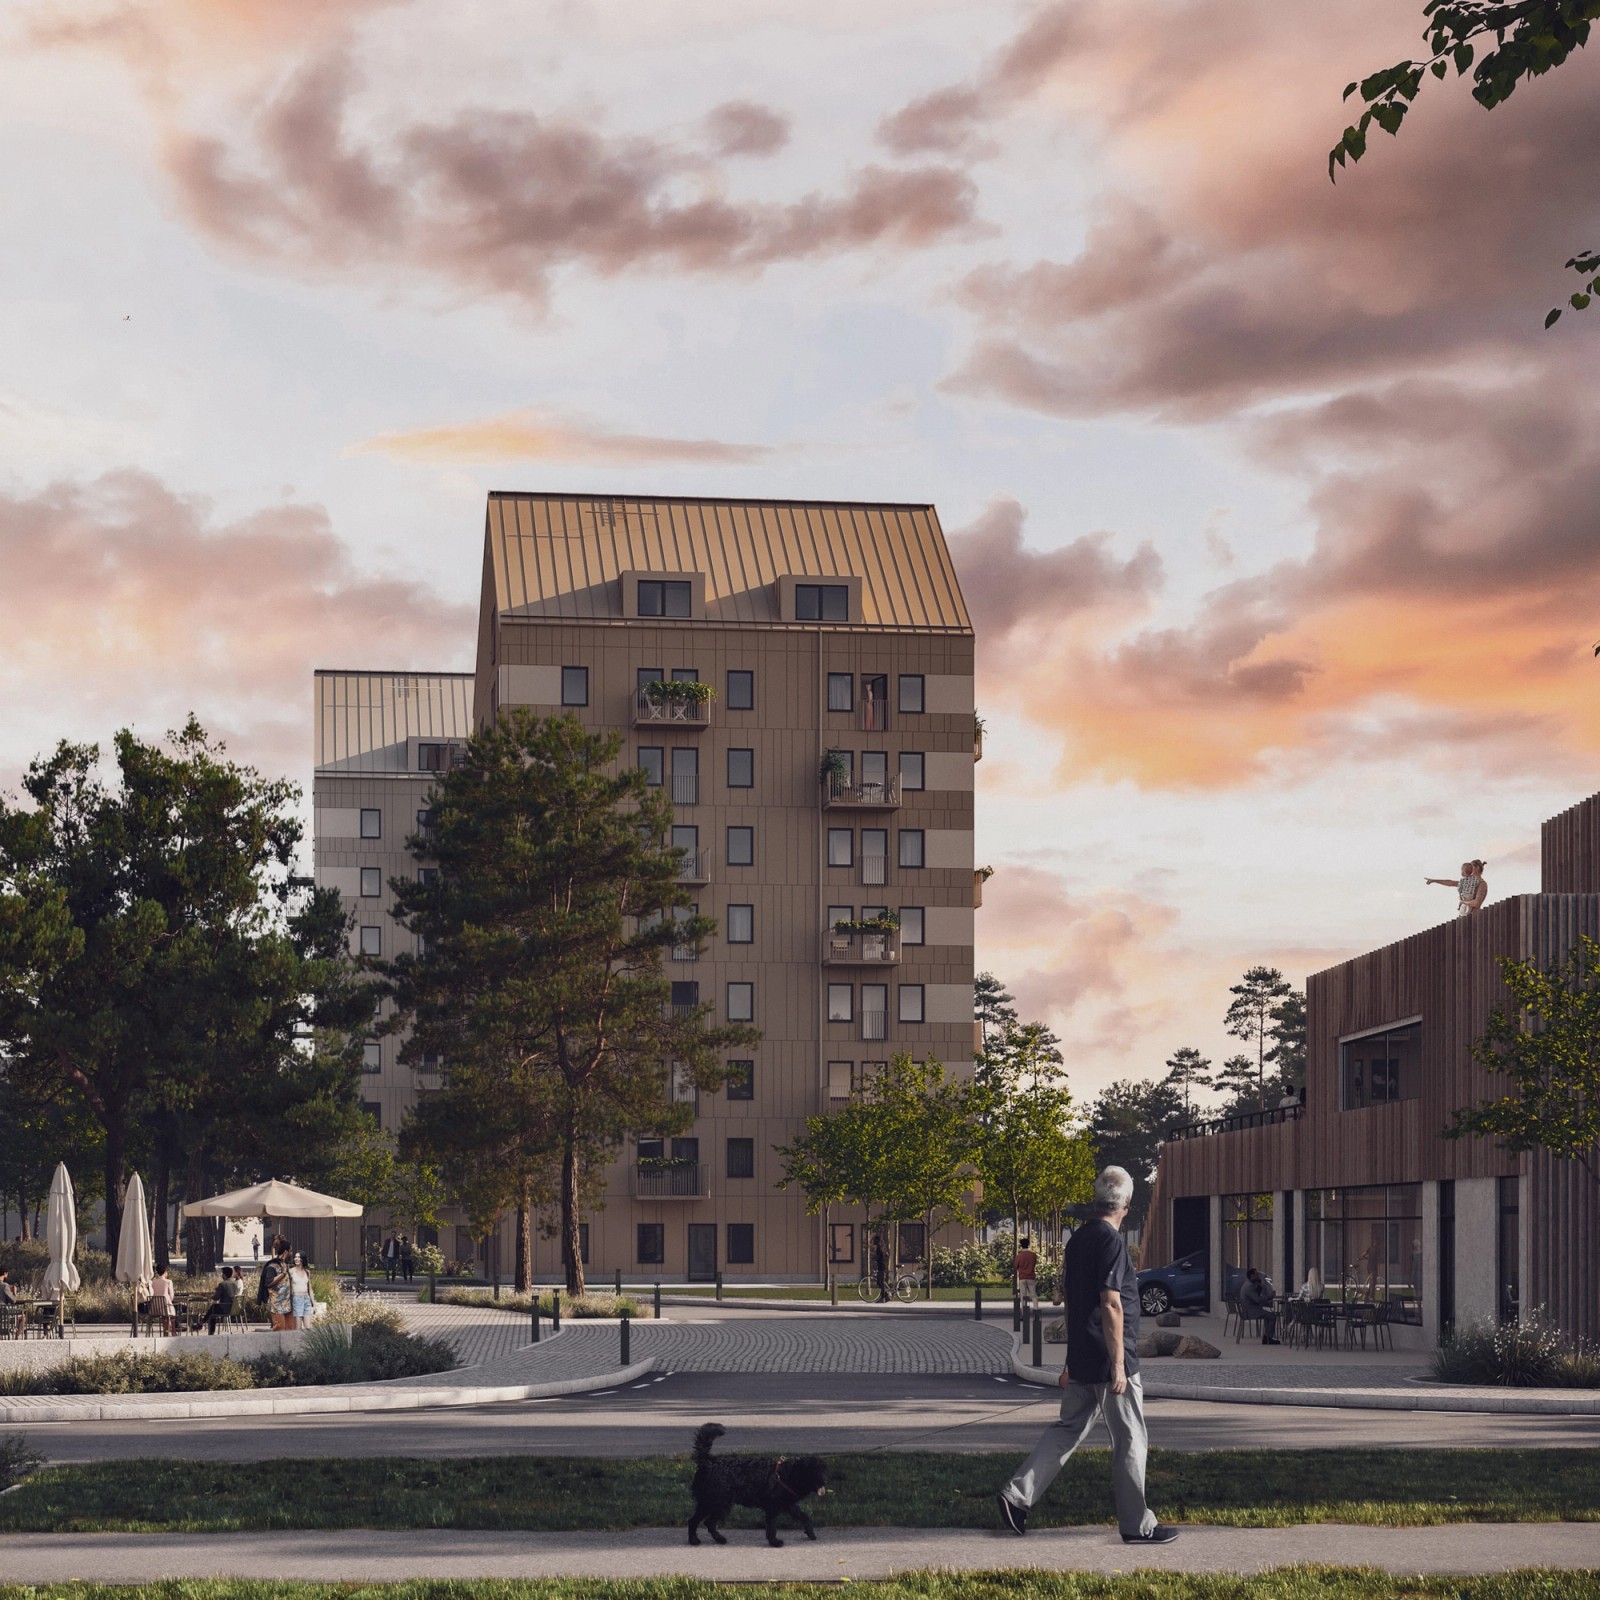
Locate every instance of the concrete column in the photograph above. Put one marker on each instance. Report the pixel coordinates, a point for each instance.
(1428, 1289)
(1477, 1288)
(1214, 1216)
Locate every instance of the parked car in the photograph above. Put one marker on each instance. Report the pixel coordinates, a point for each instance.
(1180, 1283)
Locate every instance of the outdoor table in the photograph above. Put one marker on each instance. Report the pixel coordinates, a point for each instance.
(42, 1317)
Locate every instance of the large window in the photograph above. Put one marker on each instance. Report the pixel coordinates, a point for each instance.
(1246, 1237)
(1381, 1067)
(664, 597)
(574, 686)
(1366, 1244)
(821, 602)
(1508, 1247)
(372, 1056)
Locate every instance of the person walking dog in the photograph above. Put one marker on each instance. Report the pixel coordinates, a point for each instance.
(1101, 1375)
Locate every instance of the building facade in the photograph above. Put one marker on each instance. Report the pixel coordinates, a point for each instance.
(1357, 1183)
(829, 779)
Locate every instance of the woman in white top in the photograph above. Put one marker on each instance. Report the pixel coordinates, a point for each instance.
(300, 1290)
(1471, 890)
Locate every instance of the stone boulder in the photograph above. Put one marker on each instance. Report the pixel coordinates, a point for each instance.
(1169, 1319)
(1159, 1344)
(1192, 1349)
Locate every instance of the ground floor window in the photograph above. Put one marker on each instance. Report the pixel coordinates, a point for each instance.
(841, 1242)
(652, 1243)
(1246, 1236)
(1366, 1244)
(1507, 1248)
(741, 1244)
(913, 1241)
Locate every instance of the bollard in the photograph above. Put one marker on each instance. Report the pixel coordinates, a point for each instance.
(619, 1280)
(1038, 1337)
(625, 1324)
(658, 1300)
(719, 1283)
(1016, 1311)
(536, 1316)
(833, 1290)
(555, 1310)
(977, 1302)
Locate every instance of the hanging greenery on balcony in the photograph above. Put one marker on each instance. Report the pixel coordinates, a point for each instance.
(689, 692)
(889, 922)
(835, 769)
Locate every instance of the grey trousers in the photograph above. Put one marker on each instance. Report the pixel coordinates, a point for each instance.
(1081, 1404)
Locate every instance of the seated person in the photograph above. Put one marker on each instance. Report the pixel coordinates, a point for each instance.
(161, 1301)
(8, 1295)
(224, 1299)
(1256, 1300)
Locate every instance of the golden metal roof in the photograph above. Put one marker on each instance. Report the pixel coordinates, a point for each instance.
(560, 556)
(363, 719)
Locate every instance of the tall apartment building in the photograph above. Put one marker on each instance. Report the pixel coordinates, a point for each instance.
(829, 780)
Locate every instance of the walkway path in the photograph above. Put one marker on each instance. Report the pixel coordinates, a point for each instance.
(382, 1556)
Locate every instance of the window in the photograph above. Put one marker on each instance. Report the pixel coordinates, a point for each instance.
(371, 883)
(685, 775)
(741, 847)
(652, 1246)
(841, 1075)
(911, 847)
(432, 1061)
(686, 675)
(432, 757)
(1366, 1244)
(836, 915)
(841, 847)
(646, 675)
(1507, 1247)
(911, 684)
(1381, 1067)
(686, 840)
(913, 1242)
(1246, 1236)
(841, 691)
(427, 876)
(685, 951)
(424, 821)
(841, 1243)
(664, 597)
(372, 1056)
(741, 1158)
(574, 686)
(372, 823)
(371, 941)
(651, 1150)
(741, 690)
(874, 774)
(685, 997)
(874, 1011)
(741, 769)
(373, 1109)
(911, 1002)
(912, 770)
(741, 1244)
(912, 925)
(874, 855)
(741, 1083)
(821, 602)
(652, 761)
(741, 1002)
(841, 1002)
(874, 700)
(741, 924)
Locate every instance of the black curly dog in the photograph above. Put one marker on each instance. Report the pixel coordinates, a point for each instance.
(771, 1486)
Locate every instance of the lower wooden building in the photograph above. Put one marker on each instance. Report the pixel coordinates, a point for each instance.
(1357, 1185)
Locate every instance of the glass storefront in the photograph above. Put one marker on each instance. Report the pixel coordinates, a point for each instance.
(1246, 1236)
(1366, 1244)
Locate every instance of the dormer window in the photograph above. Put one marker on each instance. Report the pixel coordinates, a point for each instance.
(821, 602)
(665, 597)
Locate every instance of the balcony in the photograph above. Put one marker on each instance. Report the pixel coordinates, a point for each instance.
(874, 1024)
(856, 949)
(840, 794)
(665, 705)
(1269, 1118)
(696, 867)
(670, 1180)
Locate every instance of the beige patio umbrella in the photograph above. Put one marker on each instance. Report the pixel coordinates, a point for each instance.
(61, 1233)
(275, 1198)
(135, 1249)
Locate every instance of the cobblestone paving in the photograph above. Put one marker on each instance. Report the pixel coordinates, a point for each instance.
(817, 1344)
(475, 1335)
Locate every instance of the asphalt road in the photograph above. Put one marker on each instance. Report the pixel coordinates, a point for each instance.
(783, 1414)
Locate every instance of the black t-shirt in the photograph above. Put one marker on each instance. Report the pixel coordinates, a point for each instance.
(1096, 1258)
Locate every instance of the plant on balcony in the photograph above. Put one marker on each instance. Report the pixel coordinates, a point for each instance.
(667, 1163)
(978, 725)
(889, 922)
(679, 692)
(835, 771)
(985, 873)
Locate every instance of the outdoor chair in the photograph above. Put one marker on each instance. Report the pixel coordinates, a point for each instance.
(13, 1322)
(1363, 1315)
(1243, 1316)
(1230, 1312)
(1383, 1325)
(1292, 1319)
(1323, 1326)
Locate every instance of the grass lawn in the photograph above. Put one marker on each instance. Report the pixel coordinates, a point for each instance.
(1245, 1488)
(1285, 1583)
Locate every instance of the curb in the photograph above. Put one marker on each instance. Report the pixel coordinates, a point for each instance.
(854, 1307)
(1155, 1388)
(285, 1402)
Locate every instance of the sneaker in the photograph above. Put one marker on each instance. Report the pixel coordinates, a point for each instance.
(1014, 1516)
(1272, 1341)
(1160, 1534)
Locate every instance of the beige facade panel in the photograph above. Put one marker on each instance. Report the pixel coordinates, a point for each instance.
(337, 822)
(949, 848)
(347, 880)
(530, 686)
(946, 769)
(950, 694)
(955, 925)
(563, 557)
(951, 1003)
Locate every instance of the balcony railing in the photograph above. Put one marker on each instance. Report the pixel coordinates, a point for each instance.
(860, 949)
(654, 708)
(874, 1024)
(685, 788)
(670, 1180)
(1240, 1120)
(872, 795)
(874, 870)
(696, 866)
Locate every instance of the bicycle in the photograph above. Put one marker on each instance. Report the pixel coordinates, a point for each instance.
(904, 1286)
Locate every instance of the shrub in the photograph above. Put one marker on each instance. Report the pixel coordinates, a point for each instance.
(588, 1305)
(17, 1459)
(136, 1373)
(1527, 1354)
(363, 1310)
(430, 1258)
(383, 1353)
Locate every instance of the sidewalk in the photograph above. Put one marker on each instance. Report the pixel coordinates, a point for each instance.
(379, 1556)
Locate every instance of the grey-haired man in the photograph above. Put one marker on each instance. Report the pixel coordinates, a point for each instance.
(1101, 1375)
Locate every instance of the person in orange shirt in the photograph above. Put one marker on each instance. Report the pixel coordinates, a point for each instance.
(1025, 1264)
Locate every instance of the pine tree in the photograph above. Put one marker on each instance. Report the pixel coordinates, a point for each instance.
(1255, 997)
(994, 1008)
(1187, 1069)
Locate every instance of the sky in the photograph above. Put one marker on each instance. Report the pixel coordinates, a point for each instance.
(1273, 501)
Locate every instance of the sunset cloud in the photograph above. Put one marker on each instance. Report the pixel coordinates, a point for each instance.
(534, 435)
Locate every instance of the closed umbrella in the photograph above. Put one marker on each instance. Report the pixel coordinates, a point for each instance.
(135, 1248)
(61, 1233)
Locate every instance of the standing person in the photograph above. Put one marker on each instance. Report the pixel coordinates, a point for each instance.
(880, 1265)
(1258, 1297)
(1025, 1265)
(279, 1295)
(408, 1259)
(1471, 889)
(1101, 1375)
(299, 1280)
(255, 1248)
(391, 1257)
